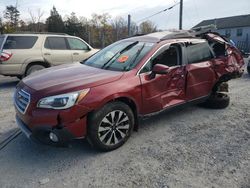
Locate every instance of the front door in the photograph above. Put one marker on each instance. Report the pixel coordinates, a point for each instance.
(79, 49)
(166, 90)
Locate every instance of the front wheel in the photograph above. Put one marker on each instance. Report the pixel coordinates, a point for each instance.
(111, 126)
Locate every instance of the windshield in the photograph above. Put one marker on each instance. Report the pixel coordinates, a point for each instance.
(120, 56)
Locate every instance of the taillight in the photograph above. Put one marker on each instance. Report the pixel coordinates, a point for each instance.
(5, 56)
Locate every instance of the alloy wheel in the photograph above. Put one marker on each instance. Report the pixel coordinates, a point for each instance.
(113, 128)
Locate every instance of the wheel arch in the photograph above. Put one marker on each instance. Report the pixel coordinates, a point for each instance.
(223, 79)
(128, 101)
(131, 103)
(45, 64)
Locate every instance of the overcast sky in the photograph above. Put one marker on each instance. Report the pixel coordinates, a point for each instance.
(194, 10)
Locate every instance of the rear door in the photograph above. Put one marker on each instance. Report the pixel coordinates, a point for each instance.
(79, 49)
(200, 73)
(56, 50)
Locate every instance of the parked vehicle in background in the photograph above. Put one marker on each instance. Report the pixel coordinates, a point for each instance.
(23, 54)
(102, 98)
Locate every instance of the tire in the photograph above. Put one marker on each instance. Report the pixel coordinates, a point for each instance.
(104, 130)
(34, 68)
(217, 101)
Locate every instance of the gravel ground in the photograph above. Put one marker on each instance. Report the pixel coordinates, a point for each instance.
(190, 147)
(7, 120)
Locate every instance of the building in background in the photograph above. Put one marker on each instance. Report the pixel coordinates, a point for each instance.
(236, 28)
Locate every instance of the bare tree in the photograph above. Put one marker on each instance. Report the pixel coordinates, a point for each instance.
(147, 27)
(36, 19)
(119, 26)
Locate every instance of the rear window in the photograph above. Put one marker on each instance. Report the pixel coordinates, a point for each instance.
(20, 42)
(55, 43)
(198, 52)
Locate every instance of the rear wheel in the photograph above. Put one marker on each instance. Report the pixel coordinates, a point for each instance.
(111, 126)
(217, 101)
(34, 68)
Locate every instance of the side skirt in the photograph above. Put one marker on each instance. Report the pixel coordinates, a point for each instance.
(178, 106)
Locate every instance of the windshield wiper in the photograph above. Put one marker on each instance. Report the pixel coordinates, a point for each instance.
(136, 56)
(119, 53)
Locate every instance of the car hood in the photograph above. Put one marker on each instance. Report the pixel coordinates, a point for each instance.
(69, 77)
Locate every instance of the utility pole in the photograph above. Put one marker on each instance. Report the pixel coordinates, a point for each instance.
(15, 15)
(181, 12)
(129, 23)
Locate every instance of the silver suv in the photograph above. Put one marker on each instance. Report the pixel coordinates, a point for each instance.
(23, 54)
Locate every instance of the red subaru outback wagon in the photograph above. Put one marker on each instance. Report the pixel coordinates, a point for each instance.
(102, 98)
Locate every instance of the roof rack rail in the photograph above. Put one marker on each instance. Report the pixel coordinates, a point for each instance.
(45, 33)
(178, 34)
(204, 29)
(192, 33)
(135, 35)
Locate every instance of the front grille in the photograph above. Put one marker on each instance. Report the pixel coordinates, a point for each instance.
(22, 100)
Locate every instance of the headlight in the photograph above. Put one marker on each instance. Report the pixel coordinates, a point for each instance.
(63, 101)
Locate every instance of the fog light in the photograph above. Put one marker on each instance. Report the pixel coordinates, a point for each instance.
(53, 137)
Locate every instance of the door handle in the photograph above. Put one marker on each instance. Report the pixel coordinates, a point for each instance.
(75, 53)
(47, 54)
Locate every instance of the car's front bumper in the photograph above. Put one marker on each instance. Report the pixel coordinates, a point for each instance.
(24, 128)
(42, 134)
(38, 123)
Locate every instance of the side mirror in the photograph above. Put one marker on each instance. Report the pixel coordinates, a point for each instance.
(160, 69)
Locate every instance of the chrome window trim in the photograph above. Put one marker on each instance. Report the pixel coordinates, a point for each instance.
(138, 72)
(183, 59)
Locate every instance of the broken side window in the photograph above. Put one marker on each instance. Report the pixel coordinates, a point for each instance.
(198, 52)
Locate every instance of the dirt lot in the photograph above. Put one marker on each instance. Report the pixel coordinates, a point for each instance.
(191, 147)
(7, 120)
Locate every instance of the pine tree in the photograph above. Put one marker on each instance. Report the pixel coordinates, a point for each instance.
(11, 14)
(54, 22)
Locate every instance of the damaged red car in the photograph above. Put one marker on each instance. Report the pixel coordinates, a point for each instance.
(102, 98)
